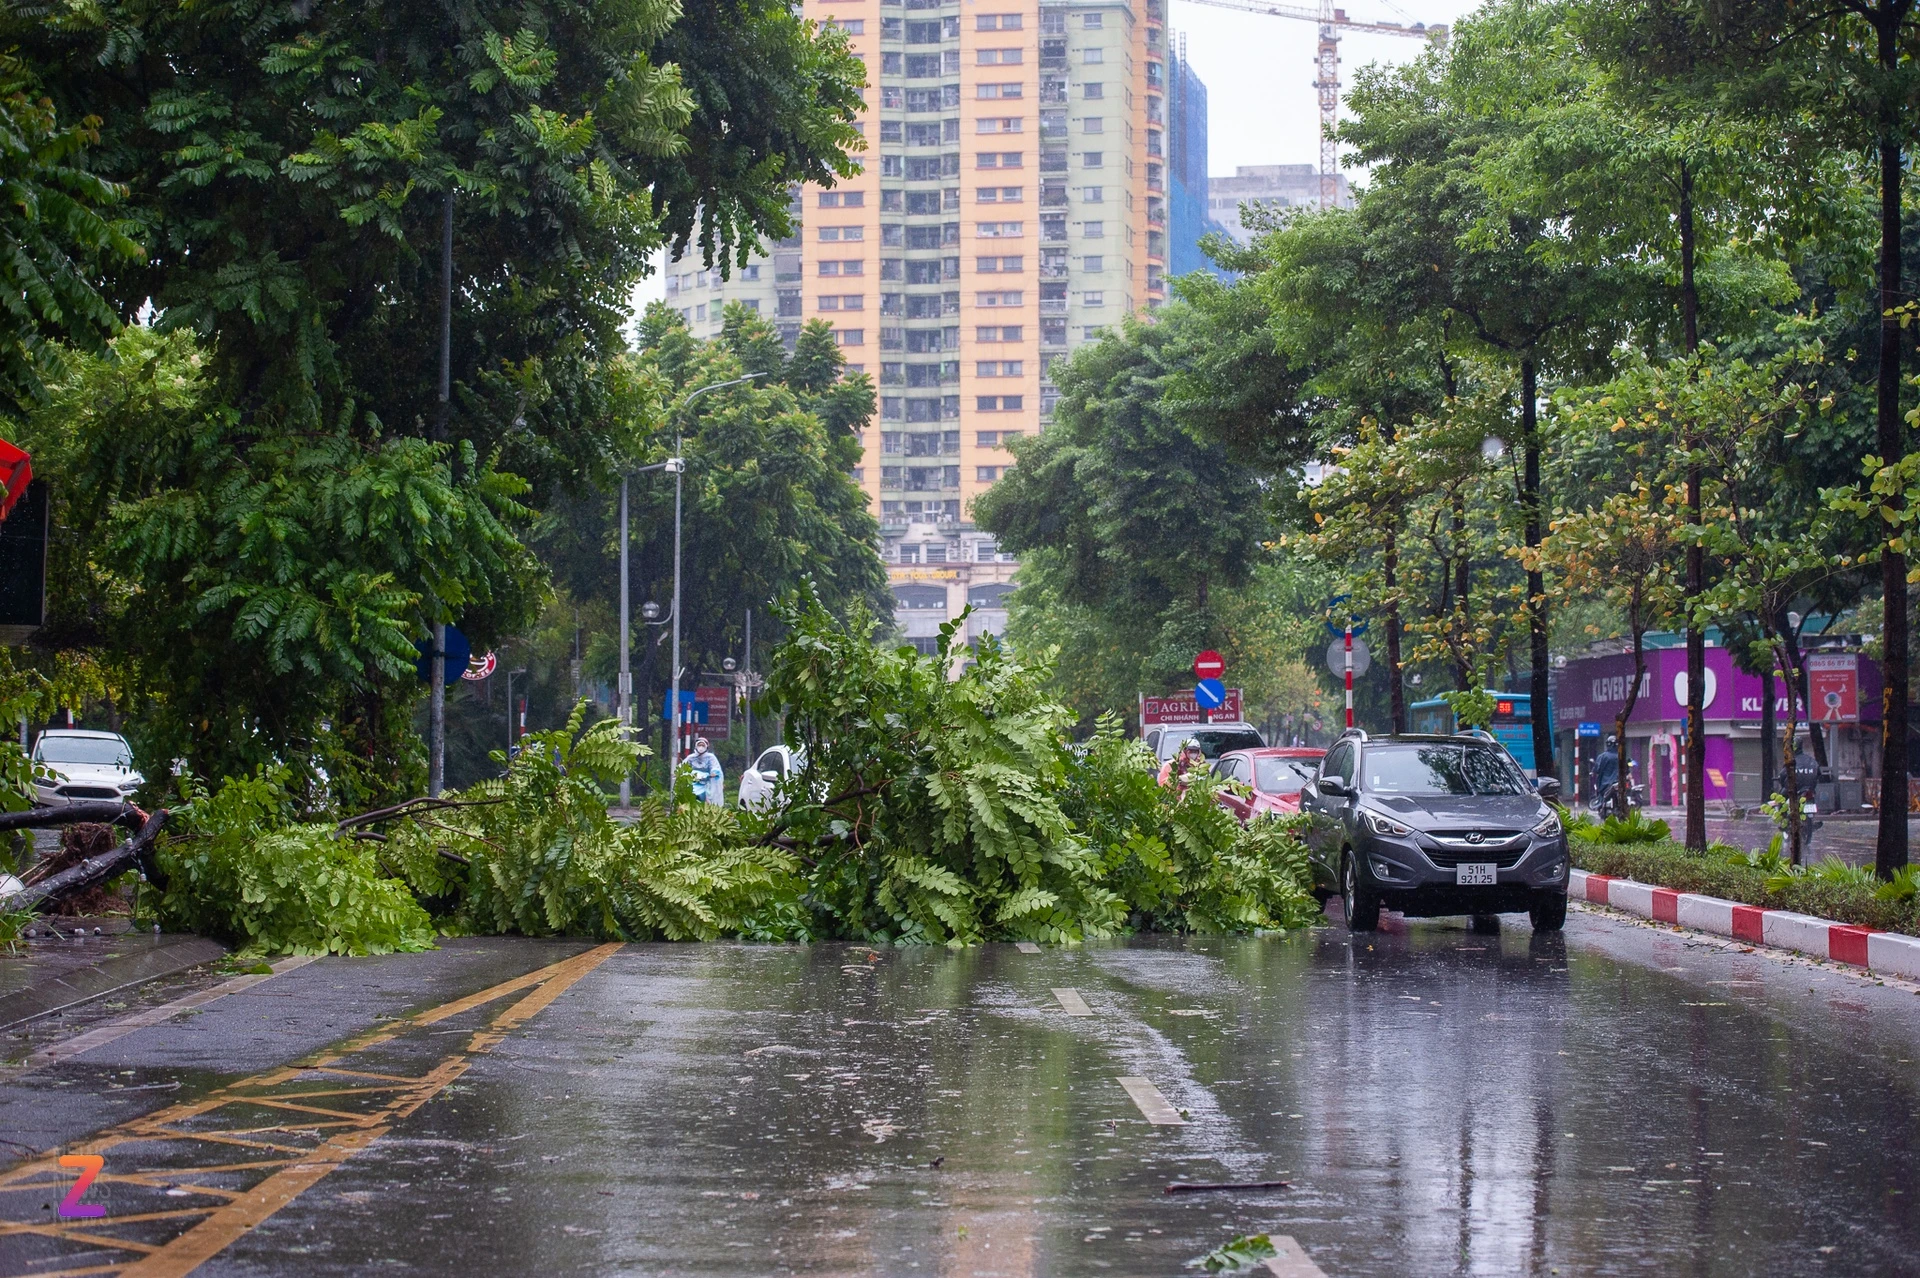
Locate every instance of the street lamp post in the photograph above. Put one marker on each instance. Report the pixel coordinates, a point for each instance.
(676, 465)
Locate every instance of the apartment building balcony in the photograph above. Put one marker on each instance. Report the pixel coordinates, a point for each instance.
(1053, 53)
(1156, 10)
(1053, 195)
(1053, 306)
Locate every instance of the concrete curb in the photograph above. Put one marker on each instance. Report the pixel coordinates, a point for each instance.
(1890, 952)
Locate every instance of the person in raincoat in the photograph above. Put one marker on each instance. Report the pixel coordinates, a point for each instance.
(709, 780)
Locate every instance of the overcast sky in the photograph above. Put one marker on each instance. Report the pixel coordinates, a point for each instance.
(1261, 104)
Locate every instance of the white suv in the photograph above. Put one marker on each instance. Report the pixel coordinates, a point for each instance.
(86, 766)
(774, 765)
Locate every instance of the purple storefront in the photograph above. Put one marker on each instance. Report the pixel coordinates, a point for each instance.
(1592, 690)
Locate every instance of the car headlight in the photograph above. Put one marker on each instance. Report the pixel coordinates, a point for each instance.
(128, 787)
(1549, 825)
(1380, 823)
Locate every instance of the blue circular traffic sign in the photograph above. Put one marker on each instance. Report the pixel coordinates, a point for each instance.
(1210, 693)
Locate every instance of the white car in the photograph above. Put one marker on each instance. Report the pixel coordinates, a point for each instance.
(86, 766)
(774, 765)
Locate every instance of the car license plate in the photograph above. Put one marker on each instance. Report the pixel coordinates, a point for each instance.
(1475, 874)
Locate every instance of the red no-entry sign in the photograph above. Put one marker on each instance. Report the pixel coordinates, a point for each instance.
(1209, 665)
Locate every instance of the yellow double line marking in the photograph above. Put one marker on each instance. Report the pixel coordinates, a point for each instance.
(299, 1166)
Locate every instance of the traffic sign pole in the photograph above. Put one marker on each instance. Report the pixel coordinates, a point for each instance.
(1349, 662)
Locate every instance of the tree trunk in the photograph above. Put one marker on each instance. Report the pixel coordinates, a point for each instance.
(1890, 850)
(1536, 579)
(1696, 769)
(1397, 695)
(1623, 792)
(1767, 770)
(1790, 768)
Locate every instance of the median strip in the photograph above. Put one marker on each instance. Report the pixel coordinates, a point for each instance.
(1893, 953)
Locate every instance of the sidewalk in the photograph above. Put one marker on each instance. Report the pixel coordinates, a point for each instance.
(1848, 836)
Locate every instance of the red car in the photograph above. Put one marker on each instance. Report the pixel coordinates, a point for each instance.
(1274, 774)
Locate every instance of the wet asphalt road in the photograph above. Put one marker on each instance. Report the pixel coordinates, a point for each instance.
(1626, 1100)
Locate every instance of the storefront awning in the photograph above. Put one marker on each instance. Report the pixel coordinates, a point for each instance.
(16, 468)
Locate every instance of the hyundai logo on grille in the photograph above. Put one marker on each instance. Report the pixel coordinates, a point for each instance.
(1476, 837)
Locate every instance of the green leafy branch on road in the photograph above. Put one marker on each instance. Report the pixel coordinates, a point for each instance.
(953, 810)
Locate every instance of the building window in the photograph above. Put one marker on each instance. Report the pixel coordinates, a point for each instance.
(1093, 262)
(1093, 92)
(986, 474)
(997, 57)
(1093, 57)
(909, 555)
(1093, 124)
(999, 230)
(998, 265)
(854, 266)
(828, 234)
(999, 368)
(843, 302)
(997, 160)
(1093, 159)
(1093, 297)
(936, 553)
(999, 124)
(842, 199)
(1010, 404)
(1094, 332)
(1093, 195)
(850, 336)
(1092, 21)
(988, 438)
(1001, 333)
(996, 299)
(859, 474)
(852, 26)
(997, 22)
(1094, 230)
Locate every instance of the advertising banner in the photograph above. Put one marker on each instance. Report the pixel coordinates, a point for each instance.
(1182, 708)
(1833, 687)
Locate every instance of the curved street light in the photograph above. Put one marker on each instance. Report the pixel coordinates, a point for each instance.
(676, 466)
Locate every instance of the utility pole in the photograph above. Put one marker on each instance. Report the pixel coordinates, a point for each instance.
(626, 674)
(746, 682)
(437, 658)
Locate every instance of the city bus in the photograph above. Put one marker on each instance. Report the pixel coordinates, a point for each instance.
(1512, 723)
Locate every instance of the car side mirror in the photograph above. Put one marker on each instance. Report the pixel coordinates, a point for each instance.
(1547, 787)
(768, 774)
(1332, 785)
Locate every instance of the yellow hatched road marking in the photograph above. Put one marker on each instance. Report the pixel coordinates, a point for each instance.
(219, 1226)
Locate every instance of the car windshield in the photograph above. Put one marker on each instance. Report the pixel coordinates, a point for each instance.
(110, 751)
(1213, 742)
(1283, 776)
(1441, 769)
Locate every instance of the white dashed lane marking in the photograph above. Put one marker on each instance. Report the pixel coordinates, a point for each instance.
(1152, 1104)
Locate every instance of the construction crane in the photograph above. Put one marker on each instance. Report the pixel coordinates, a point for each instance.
(1332, 21)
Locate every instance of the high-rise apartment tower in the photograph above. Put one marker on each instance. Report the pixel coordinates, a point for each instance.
(1012, 203)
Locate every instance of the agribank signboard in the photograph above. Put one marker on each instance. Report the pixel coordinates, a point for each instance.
(1182, 708)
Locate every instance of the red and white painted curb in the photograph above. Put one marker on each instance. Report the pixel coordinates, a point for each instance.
(1893, 953)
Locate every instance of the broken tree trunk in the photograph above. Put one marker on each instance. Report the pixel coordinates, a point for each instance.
(137, 850)
(103, 811)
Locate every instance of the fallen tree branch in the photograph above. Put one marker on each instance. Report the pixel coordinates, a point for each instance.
(136, 850)
(772, 836)
(101, 811)
(422, 804)
(1203, 1187)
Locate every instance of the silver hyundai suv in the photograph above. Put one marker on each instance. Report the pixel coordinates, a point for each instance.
(1432, 825)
